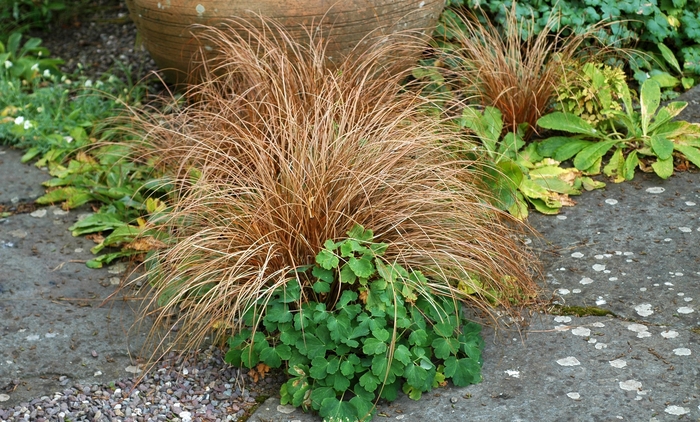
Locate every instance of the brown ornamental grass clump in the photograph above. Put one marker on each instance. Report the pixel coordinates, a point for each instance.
(275, 153)
(513, 69)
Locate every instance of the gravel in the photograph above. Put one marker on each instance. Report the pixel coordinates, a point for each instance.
(195, 388)
(102, 40)
(198, 387)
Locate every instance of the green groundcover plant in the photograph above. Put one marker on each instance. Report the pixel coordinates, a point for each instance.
(67, 124)
(645, 138)
(367, 330)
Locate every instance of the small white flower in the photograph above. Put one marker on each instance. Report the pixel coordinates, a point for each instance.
(63, 78)
(68, 139)
(67, 82)
(46, 73)
(8, 64)
(35, 67)
(88, 83)
(98, 84)
(27, 124)
(19, 120)
(40, 109)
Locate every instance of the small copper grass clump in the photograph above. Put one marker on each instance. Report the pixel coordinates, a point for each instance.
(274, 153)
(517, 75)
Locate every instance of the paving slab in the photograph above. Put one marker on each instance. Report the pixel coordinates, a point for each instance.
(55, 327)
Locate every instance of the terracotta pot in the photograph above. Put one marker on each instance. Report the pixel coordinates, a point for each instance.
(164, 25)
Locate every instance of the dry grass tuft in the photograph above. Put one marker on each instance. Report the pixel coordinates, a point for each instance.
(519, 77)
(279, 153)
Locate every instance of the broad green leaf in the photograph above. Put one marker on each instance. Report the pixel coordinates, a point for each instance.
(662, 147)
(487, 126)
(663, 168)
(570, 149)
(588, 156)
(519, 207)
(311, 346)
(510, 145)
(590, 184)
(631, 163)
(649, 98)
(30, 154)
(567, 122)
(123, 234)
(327, 259)
(687, 83)
(669, 57)
(542, 207)
(666, 114)
(558, 185)
(108, 258)
(463, 371)
(547, 147)
(532, 190)
(62, 194)
(665, 80)
(616, 166)
(691, 153)
(402, 354)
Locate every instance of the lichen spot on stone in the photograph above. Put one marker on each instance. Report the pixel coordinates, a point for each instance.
(200, 9)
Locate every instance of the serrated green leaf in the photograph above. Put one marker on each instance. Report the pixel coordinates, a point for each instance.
(567, 122)
(415, 376)
(369, 381)
(317, 370)
(381, 334)
(373, 346)
(347, 369)
(444, 329)
(445, 347)
(588, 156)
(336, 410)
(663, 168)
(358, 232)
(402, 354)
(363, 267)
(327, 259)
(418, 338)
(270, 357)
(463, 371)
(319, 394)
(364, 408)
